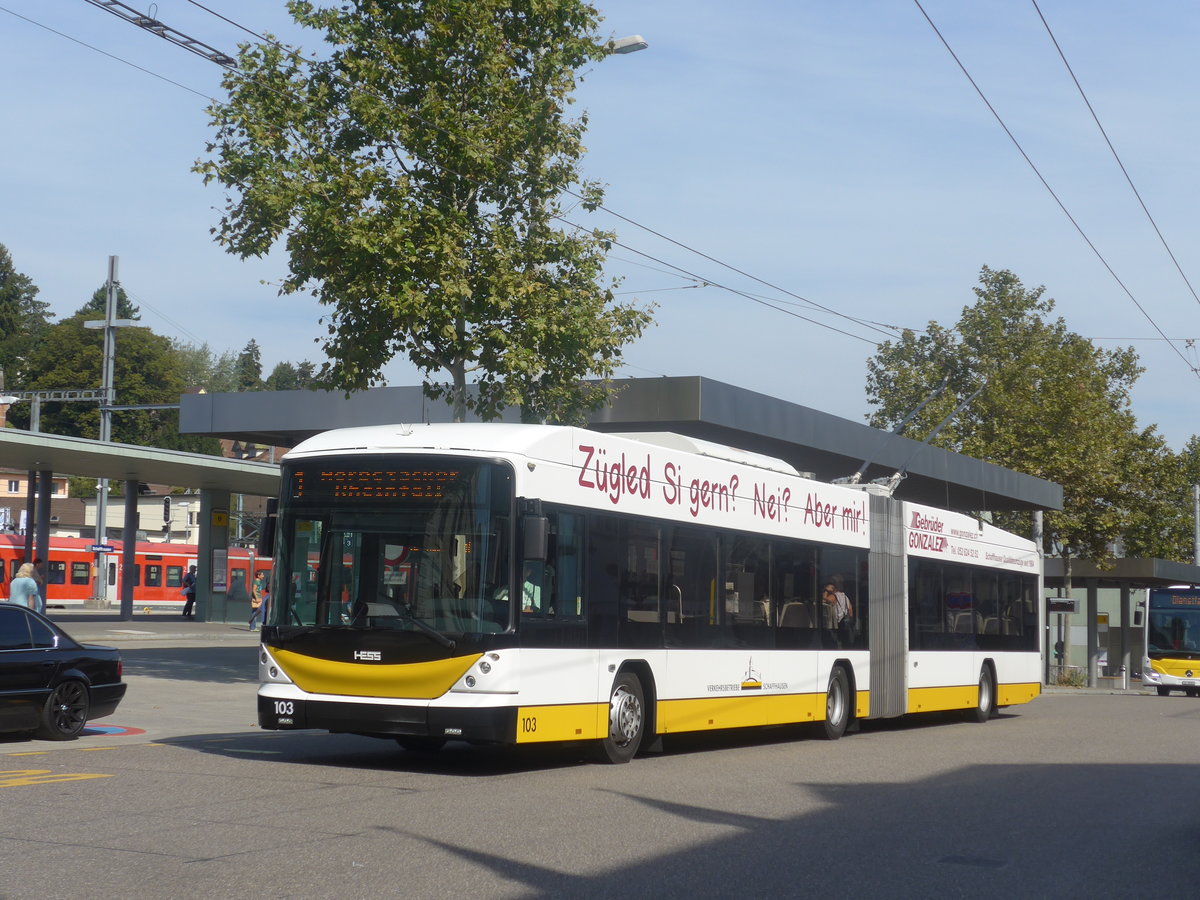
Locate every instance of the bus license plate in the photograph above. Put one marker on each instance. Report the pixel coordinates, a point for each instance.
(274, 713)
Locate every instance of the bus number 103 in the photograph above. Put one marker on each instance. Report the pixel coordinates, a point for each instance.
(284, 708)
(528, 724)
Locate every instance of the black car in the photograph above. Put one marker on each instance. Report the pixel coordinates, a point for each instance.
(49, 683)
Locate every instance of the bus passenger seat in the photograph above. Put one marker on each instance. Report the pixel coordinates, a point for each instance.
(795, 615)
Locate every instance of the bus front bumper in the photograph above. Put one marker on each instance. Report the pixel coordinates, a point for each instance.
(489, 724)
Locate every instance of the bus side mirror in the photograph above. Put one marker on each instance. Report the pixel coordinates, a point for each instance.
(266, 534)
(537, 538)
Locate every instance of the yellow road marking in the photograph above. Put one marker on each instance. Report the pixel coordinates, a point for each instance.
(25, 777)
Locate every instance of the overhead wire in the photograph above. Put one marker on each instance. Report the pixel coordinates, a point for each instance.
(812, 303)
(104, 52)
(1062, 206)
(1113, 150)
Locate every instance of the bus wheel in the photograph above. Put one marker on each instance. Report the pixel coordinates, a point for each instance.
(626, 719)
(418, 744)
(837, 704)
(1163, 691)
(985, 707)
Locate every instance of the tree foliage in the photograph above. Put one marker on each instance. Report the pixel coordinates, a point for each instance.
(249, 367)
(414, 177)
(145, 372)
(98, 305)
(24, 321)
(1052, 405)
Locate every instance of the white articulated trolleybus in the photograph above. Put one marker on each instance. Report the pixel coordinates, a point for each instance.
(529, 583)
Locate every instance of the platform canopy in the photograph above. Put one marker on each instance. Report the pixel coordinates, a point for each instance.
(96, 459)
(824, 445)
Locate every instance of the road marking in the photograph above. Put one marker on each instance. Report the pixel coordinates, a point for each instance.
(28, 753)
(263, 752)
(94, 749)
(25, 777)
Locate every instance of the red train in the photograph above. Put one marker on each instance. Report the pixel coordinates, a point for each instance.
(158, 571)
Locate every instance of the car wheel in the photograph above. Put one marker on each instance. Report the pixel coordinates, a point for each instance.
(65, 712)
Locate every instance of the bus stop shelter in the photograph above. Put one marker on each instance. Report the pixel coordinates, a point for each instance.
(1126, 576)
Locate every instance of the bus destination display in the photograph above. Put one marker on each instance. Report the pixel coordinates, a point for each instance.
(374, 483)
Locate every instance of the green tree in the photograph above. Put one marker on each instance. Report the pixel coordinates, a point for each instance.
(96, 307)
(416, 176)
(24, 321)
(145, 371)
(249, 367)
(1052, 405)
(1163, 523)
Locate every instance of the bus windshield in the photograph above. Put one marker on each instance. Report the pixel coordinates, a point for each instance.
(395, 544)
(1174, 631)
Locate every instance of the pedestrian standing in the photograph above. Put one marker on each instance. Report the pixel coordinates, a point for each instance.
(23, 589)
(189, 592)
(256, 601)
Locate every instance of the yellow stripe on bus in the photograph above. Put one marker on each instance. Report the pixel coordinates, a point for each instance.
(747, 710)
(1012, 694)
(569, 722)
(418, 681)
(589, 721)
(966, 696)
(741, 711)
(963, 696)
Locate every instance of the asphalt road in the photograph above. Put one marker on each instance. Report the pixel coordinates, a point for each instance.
(1074, 795)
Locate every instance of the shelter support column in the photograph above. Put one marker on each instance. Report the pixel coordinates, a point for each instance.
(41, 549)
(1126, 635)
(1093, 632)
(212, 566)
(129, 550)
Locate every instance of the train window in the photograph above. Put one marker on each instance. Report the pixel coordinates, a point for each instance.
(153, 576)
(81, 572)
(174, 576)
(56, 572)
(137, 575)
(2, 571)
(112, 573)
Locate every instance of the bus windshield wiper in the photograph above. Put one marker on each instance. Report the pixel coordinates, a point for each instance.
(428, 629)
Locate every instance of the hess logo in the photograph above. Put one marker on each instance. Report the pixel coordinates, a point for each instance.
(368, 655)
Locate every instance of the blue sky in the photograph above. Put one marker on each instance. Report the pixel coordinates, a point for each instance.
(834, 150)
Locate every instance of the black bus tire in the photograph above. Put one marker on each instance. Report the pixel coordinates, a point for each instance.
(837, 704)
(626, 720)
(985, 705)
